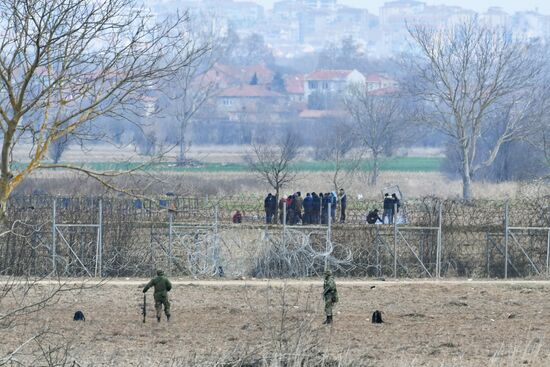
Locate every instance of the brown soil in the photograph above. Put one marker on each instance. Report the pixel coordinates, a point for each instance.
(451, 323)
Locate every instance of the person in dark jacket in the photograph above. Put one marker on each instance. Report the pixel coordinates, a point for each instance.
(396, 203)
(316, 208)
(324, 208)
(290, 209)
(308, 209)
(269, 208)
(237, 217)
(373, 217)
(343, 205)
(388, 209)
(162, 286)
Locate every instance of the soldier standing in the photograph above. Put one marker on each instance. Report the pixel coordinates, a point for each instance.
(330, 295)
(162, 286)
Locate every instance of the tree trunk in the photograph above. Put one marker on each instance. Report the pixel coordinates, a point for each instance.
(181, 155)
(375, 169)
(4, 196)
(276, 215)
(466, 177)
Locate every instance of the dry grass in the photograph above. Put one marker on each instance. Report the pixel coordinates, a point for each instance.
(426, 323)
(413, 185)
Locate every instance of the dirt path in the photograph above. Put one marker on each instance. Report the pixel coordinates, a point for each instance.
(298, 282)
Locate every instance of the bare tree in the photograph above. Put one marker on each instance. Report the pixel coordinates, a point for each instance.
(466, 75)
(64, 64)
(378, 122)
(192, 87)
(335, 146)
(272, 162)
(57, 148)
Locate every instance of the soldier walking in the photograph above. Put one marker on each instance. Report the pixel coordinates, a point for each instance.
(330, 296)
(162, 286)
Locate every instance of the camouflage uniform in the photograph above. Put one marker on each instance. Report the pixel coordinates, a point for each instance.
(162, 286)
(330, 295)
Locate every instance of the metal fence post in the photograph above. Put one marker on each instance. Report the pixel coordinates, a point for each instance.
(394, 241)
(170, 245)
(54, 229)
(506, 232)
(329, 235)
(100, 237)
(548, 253)
(216, 242)
(284, 224)
(439, 252)
(151, 237)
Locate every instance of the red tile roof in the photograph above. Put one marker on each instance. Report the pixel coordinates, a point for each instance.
(248, 91)
(264, 74)
(377, 78)
(294, 84)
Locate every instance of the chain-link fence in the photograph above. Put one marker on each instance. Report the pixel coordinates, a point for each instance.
(116, 236)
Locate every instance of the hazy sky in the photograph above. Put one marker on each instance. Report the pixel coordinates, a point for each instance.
(479, 5)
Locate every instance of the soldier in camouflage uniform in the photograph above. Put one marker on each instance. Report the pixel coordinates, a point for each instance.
(162, 286)
(330, 295)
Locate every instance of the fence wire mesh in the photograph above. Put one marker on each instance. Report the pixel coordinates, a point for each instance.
(196, 236)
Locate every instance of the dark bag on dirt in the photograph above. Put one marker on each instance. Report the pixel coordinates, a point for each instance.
(79, 316)
(377, 317)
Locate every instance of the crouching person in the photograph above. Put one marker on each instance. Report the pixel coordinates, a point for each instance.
(162, 286)
(330, 296)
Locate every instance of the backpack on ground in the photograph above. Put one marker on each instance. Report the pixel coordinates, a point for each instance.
(377, 317)
(79, 316)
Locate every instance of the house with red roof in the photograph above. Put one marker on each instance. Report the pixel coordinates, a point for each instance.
(329, 84)
(225, 76)
(379, 81)
(250, 103)
(294, 87)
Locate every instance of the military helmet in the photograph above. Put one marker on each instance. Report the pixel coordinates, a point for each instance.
(160, 272)
(328, 272)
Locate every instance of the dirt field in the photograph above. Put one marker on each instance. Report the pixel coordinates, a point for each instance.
(447, 323)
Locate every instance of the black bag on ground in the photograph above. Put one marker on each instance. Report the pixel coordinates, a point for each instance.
(79, 316)
(377, 317)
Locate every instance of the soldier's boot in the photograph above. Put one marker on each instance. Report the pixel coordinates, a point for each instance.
(327, 320)
(167, 317)
(158, 318)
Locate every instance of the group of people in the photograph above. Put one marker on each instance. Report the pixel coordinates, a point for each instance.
(318, 208)
(392, 204)
(312, 209)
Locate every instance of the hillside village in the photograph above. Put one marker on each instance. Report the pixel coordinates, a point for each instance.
(257, 93)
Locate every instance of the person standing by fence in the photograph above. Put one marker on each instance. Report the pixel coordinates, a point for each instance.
(308, 209)
(270, 205)
(343, 205)
(388, 209)
(316, 208)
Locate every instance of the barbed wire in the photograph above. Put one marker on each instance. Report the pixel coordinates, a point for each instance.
(135, 238)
